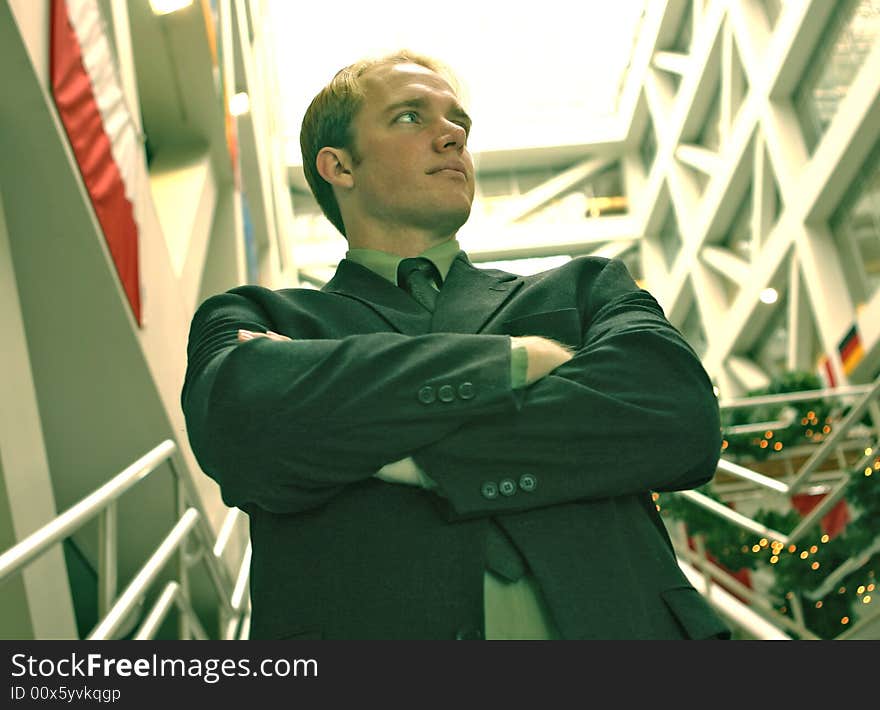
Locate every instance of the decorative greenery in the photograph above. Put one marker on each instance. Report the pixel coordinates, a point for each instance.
(812, 425)
(798, 568)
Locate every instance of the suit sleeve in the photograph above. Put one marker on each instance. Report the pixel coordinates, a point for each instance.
(287, 425)
(633, 411)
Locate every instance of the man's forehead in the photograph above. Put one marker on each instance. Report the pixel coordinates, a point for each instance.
(387, 80)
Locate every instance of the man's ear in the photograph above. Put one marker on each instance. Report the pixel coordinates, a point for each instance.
(334, 165)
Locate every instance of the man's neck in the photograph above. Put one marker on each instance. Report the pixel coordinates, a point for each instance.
(404, 242)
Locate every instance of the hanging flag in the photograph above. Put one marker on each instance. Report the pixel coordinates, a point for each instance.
(850, 349)
(833, 522)
(826, 372)
(91, 104)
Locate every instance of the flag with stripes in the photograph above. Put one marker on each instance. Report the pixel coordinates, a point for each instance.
(850, 349)
(87, 92)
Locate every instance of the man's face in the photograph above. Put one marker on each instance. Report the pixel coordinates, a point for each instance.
(410, 137)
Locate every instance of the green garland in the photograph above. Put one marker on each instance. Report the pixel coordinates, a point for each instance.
(800, 568)
(812, 425)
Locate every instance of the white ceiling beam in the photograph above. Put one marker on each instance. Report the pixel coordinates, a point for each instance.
(726, 263)
(702, 159)
(548, 191)
(490, 241)
(747, 373)
(672, 62)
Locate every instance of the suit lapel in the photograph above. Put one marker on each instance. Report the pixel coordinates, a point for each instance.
(392, 303)
(470, 297)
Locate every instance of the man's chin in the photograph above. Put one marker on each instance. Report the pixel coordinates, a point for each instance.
(448, 221)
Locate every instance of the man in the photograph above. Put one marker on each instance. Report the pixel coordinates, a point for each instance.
(461, 453)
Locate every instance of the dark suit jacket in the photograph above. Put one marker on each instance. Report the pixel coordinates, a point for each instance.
(293, 433)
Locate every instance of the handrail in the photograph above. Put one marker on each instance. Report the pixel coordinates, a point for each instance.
(54, 531)
(747, 474)
(852, 417)
(151, 569)
(731, 515)
(103, 502)
(786, 397)
(157, 614)
(240, 599)
(867, 401)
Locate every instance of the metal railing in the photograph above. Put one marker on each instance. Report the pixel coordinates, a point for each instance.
(114, 610)
(863, 400)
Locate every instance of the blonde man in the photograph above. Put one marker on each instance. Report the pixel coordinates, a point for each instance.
(429, 450)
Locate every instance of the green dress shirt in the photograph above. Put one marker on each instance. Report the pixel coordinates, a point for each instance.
(512, 610)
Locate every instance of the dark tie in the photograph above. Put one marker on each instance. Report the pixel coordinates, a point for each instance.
(418, 277)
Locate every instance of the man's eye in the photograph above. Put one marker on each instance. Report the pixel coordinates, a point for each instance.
(408, 117)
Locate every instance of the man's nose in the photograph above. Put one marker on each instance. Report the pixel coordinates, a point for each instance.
(451, 137)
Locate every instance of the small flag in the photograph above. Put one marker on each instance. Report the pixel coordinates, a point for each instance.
(826, 372)
(850, 349)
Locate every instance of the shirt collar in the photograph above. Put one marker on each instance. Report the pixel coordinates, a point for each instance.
(385, 264)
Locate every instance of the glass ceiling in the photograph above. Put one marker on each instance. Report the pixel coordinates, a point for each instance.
(534, 74)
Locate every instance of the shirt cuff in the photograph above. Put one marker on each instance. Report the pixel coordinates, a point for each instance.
(519, 365)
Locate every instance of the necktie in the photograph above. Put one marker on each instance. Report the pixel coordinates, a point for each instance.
(418, 276)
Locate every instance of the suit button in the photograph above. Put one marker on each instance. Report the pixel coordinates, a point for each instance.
(489, 490)
(528, 482)
(466, 390)
(426, 394)
(446, 393)
(468, 635)
(507, 487)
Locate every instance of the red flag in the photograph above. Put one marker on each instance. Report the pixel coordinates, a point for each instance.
(73, 89)
(833, 522)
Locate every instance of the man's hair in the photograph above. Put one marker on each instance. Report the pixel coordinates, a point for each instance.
(328, 119)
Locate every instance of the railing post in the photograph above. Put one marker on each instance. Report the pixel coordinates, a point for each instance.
(107, 558)
(797, 609)
(183, 625)
(700, 546)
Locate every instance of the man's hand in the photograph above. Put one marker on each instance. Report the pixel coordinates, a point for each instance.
(245, 335)
(406, 472)
(545, 355)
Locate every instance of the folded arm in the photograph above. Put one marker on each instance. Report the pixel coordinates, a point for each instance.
(287, 425)
(633, 411)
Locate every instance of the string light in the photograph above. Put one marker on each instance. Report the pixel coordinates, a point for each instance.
(844, 620)
(825, 538)
(861, 589)
(813, 549)
(866, 599)
(814, 566)
(805, 555)
(819, 605)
